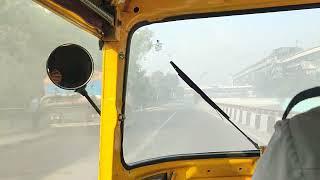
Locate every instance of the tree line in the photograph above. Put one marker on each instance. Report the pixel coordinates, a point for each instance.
(151, 89)
(28, 33)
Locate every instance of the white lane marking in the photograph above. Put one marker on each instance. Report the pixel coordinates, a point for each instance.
(80, 124)
(132, 156)
(215, 114)
(157, 108)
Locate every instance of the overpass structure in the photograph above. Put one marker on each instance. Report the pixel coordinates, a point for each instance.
(282, 61)
(254, 114)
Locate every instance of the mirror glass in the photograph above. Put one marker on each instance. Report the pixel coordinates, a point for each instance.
(70, 66)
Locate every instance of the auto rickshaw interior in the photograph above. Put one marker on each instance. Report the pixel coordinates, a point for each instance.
(187, 89)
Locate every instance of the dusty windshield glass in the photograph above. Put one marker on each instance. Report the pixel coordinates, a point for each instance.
(250, 65)
(45, 132)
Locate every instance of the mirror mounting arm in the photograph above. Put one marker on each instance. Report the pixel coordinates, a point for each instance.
(84, 93)
(70, 67)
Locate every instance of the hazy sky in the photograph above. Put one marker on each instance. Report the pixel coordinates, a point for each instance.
(223, 46)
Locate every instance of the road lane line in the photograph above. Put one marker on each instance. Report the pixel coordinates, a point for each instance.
(215, 114)
(79, 124)
(149, 139)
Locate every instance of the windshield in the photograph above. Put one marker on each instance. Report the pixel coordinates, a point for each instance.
(45, 133)
(250, 65)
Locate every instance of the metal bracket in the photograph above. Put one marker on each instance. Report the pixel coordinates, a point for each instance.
(106, 16)
(101, 43)
(121, 117)
(121, 56)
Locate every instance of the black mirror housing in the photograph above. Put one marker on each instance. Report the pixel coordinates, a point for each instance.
(70, 66)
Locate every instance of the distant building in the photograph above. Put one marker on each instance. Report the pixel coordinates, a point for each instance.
(279, 62)
(283, 73)
(223, 91)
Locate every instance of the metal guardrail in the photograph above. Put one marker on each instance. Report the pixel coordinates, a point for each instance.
(258, 118)
(51, 111)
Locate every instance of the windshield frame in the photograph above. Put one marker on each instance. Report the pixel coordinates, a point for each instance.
(205, 155)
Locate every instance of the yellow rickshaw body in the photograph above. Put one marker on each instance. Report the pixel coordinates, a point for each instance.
(115, 56)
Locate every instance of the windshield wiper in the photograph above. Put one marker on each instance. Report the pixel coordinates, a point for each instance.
(208, 100)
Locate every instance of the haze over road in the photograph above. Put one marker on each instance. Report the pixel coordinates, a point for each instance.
(44, 157)
(72, 152)
(178, 129)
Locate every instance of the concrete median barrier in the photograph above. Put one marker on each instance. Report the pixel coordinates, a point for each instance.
(256, 118)
(257, 122)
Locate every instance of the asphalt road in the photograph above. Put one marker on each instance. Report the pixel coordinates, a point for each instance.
(40, 158)
(171, 130)
(150, 133)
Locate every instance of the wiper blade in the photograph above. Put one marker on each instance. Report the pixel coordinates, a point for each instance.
(205, 97)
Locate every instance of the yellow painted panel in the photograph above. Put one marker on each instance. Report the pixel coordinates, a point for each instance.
(110, 166)
(109, 114)
(69, 16)
(150, 11)
(237, 168)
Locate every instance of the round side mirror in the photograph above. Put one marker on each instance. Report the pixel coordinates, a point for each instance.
(70, 66)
